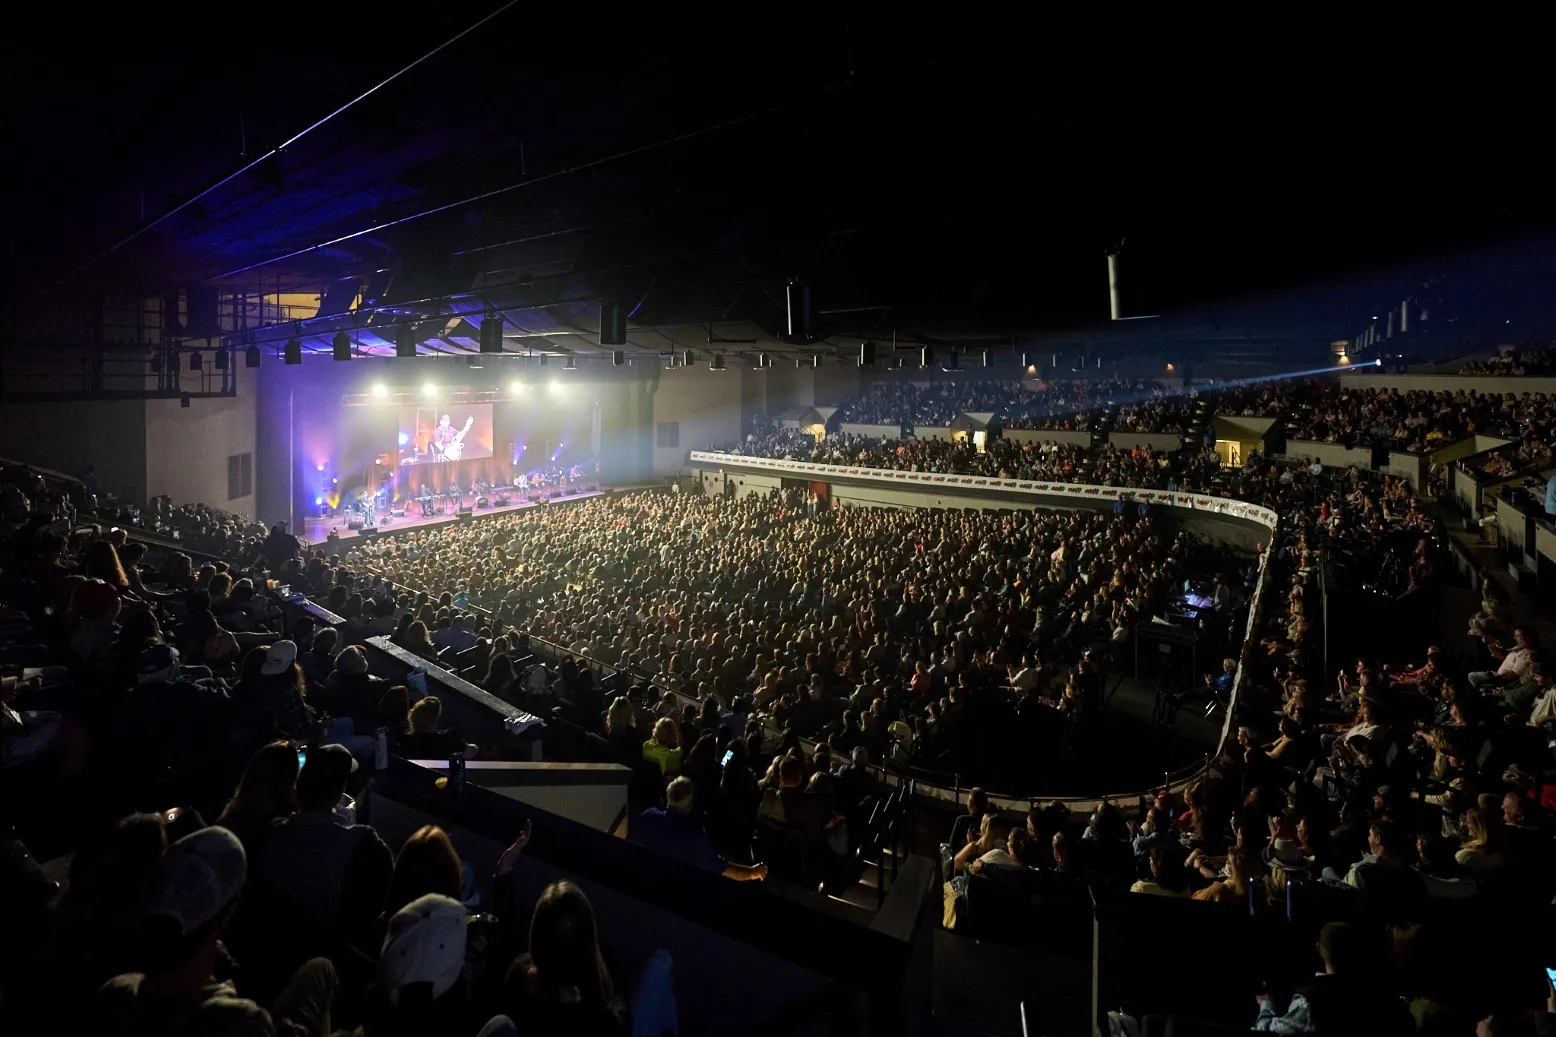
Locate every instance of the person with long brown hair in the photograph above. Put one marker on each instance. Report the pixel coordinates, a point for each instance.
(267, 792)
(427, 863)
(562, 985)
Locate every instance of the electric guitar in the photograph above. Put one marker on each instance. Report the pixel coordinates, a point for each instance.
(454, 449)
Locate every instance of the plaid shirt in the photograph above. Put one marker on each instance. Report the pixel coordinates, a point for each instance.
(306, 858)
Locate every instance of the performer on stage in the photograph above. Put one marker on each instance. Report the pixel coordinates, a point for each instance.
(455, 495)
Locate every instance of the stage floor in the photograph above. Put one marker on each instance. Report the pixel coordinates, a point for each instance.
(316, 530)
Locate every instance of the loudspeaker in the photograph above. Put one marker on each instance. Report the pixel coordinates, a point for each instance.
(404, 341)
(618, 357)
(717, 363)
(220, 360)
(341, 346)
(866, 354)
(688, 358)
(292, 353)
(368, 531)
(502, 501)
(466, 514)
(354, 522)
(482, 502)
(800, 310)
(251, 357)
(203, 305)
(397, 513)
(491, 335)
(613, 324)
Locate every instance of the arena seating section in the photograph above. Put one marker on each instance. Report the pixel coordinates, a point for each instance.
(822, 677)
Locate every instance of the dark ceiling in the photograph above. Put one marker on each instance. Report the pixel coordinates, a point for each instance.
(965, 175)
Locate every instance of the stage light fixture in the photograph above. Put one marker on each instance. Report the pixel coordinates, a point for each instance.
(429, 389)
(688, 358)
(618, 357)
(380, 390)
(570, 364)
(764, 360)
(556, 387)
(926, 355)
(292, 352)
(815, 361)
(516, 388)
(196, 360)
(320, 467)
(985, 358)
(251, 356)
(341, 346)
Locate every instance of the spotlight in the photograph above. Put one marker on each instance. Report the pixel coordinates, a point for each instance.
(1377, 363)
(195, 360)
(380, 390)
(429, 389)
(516, 388)
(321, 468)
(292, 352)
(341, 346)
(556, 387)
(251, 357)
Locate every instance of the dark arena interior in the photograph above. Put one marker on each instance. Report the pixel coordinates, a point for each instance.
(535, 520)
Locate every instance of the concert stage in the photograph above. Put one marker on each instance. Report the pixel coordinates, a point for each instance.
(317, 529)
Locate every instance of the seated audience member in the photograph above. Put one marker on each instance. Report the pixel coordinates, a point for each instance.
(421, 983)
(351, 693)
(968, 825)
(266, 793)
(663, 749)
(1349, 997)
(191, 900)
(281, 689)
(327, 871)
(427, 740)
(674, 832)
(318, 661)
(1169, 878)
(562, 987)
(427, 863)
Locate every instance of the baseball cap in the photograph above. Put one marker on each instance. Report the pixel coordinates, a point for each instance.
(279, 658)
(425, 943)
(327, 765)
(156, 659)
(197, 878)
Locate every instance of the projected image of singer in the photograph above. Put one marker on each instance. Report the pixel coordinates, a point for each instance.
(448, 443)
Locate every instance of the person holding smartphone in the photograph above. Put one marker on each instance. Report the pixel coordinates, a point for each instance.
(674, 832)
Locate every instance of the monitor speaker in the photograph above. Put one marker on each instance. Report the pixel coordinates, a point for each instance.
(368, 531)
(466, 514)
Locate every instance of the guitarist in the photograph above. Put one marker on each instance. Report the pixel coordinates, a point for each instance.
(447, 441)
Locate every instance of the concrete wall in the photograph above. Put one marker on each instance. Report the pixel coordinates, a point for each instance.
(746, 483)
(1162, 442)
(931, 432)
(1331, 454)
(889, 497)
(707, 404)
(1036, 435)
(874, 431)
(109, 434)
(187, 448)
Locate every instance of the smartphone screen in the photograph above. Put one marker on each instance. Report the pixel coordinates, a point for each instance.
(302, 758)
(1550, 977)
(729, 754)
